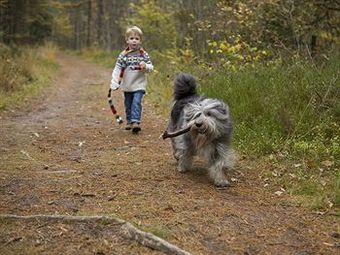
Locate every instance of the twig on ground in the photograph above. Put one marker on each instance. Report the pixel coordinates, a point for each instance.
(152, 241)
(12, 240)
(129, 231)
(63, 218)
(35, 160)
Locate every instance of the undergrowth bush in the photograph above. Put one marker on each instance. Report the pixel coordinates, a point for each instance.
(282, 108)
(23, 71)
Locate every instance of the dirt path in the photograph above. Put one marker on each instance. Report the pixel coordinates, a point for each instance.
(63, 155)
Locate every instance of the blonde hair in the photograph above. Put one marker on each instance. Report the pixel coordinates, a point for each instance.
(133, 30)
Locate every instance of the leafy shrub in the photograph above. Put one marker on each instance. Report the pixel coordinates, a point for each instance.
(281, 104)
(159, 27)
(235, 53)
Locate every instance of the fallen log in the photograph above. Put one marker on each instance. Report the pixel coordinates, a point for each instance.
(128, 230)
(152, 241)
(68, 218)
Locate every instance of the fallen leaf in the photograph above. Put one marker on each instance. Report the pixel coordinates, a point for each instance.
(279, 193)
(330, 204)
(88, 195)
(329, 244)
(327, 163)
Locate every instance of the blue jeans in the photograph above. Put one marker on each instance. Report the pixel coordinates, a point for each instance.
(133, 106)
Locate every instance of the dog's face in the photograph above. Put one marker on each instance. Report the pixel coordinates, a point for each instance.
(207, 117)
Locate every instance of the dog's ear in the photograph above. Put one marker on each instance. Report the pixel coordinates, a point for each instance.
(223, 110)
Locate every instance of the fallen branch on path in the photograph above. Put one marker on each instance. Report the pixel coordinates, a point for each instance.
(63, 218)
(33, 159)
(150, 240)
(128, 230)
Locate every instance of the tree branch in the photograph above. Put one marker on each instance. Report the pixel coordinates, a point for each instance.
(176, 133)
(128, 230)
(152, 241)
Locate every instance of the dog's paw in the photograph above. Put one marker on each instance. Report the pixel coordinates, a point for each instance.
(182, 169)
(222, 183)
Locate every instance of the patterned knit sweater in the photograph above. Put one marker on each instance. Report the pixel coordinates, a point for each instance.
(132, 78)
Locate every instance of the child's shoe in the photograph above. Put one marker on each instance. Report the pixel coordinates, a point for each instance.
(136, 127)
(128, 126)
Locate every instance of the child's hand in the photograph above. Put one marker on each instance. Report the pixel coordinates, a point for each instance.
(142, 65)
(114, 86)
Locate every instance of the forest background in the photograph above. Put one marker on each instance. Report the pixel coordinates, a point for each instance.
(275, 62)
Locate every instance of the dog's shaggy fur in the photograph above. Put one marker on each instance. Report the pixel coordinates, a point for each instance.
(210, 132)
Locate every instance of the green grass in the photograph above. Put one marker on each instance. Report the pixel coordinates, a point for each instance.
(279, 106)
(105, 58)
(317, 191)
(159, 230)
(24, 72)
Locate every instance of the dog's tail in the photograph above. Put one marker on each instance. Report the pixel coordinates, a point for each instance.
(185, 85)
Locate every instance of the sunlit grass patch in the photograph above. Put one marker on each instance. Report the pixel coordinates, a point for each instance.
(99, 56)
(161, 93)
(159, 230)
(318, 192)
(23, 73)
(314, 184)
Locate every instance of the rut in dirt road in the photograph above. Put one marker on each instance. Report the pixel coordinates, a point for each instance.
(63, 155)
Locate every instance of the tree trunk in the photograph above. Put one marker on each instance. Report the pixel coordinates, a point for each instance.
(89, 21)
(100, 23)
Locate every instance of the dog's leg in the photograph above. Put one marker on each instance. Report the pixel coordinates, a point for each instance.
(219, 160)
(216, 173)
(184, 160)
(175, 149)
(182, 153)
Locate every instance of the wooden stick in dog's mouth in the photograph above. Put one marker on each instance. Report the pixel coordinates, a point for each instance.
(176, 133)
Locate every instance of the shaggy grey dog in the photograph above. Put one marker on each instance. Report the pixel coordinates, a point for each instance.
(200, 126)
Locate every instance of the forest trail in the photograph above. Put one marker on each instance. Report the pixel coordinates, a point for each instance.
(63, 155)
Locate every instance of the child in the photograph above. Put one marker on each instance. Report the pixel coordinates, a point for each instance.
(130, 74)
